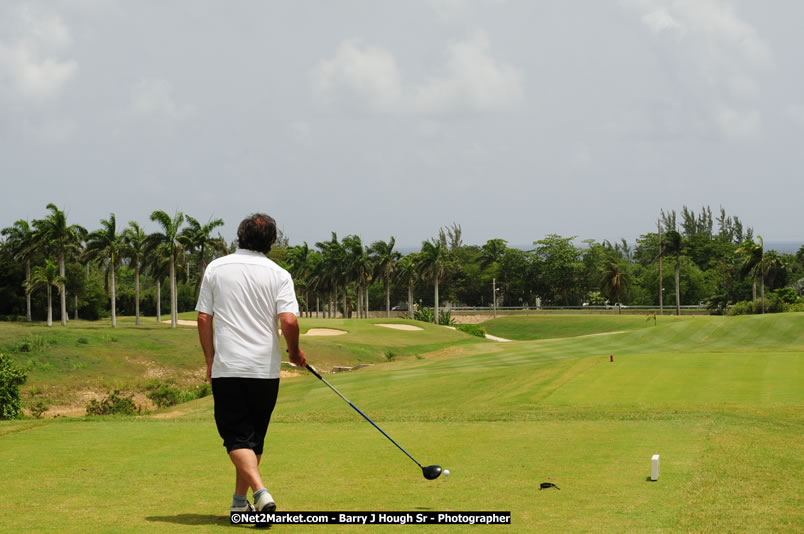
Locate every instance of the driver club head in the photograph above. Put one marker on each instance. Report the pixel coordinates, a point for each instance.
(431, 472)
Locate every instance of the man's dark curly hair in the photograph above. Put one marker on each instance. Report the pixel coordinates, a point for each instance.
(257, 232)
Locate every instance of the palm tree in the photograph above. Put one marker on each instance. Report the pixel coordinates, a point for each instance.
(196, 238)
(299, 266)
(753, 254)
(407, 273)
(158, 267)
(385, 261)
(433, 263)
(136, 241)
(20, 239)
(359, 269)
(49, 277)
(332, 271)
(54, 234)
(673, 246)
(167, 244)
(106, 246)
(614, 281)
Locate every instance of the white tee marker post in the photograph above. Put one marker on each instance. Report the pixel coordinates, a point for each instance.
(654, 467)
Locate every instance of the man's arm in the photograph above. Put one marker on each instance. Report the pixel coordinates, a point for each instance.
(207, 342)
(290, 329)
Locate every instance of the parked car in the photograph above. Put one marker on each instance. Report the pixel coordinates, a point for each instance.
(400, 307)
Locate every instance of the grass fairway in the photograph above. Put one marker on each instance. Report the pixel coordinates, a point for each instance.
(720, 399)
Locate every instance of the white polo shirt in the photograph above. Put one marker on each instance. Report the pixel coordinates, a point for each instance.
(245, 292)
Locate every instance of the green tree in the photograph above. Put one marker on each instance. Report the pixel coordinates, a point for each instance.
(673, 246)
(331, 272)
(198, 241)
(55, 235)
(21, 240)
(561, 268)
(753, 254)
(615, 280)
(106, 246)
(299, 266)
(46, 276)
(11, 378)
(385, 261)
(166, 244)
(136, 241)
(407, 274)
(433, 260)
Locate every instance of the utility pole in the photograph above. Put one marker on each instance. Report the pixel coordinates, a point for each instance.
(494, 296)
(661, 290)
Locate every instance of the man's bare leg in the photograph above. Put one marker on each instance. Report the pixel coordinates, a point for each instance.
(248, 473)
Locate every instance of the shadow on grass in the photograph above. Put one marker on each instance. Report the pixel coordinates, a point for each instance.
(191, 519)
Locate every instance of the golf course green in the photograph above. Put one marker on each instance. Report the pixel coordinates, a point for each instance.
(720, 399)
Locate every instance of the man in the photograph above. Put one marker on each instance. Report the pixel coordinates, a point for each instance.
(246, 293)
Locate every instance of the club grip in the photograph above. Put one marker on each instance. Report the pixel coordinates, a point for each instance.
(312, 370)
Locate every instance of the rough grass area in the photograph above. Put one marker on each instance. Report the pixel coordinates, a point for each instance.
(720, 399)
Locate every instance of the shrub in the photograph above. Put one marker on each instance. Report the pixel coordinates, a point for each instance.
(164, 395)
(115, 403)
(39, 409)
(445, 318)
(11, 378)
(426, 315)
(472, 329)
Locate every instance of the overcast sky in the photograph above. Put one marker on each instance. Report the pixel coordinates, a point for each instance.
(514, 119)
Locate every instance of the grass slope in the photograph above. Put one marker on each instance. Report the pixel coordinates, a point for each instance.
(719, 398)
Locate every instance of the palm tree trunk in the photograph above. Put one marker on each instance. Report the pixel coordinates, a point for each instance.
(435, 319)
(62, 291)
(316, 306)
(76, 306)
(159, 301)
(678, 290)
(410, 300)
(173, 323)
(754, 293)
(137, 294)
(387, 298)
(49, 306)
(344, 302)
(114, 295)
(762, 292)
(27, 294)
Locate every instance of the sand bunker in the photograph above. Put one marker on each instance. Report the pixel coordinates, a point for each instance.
(324, 332)
(400, 326)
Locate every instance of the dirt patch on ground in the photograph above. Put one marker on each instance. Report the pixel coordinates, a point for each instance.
(408, 327)
(324, 332)
(471, 319)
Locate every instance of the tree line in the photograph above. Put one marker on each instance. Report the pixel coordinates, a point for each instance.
(686, 260)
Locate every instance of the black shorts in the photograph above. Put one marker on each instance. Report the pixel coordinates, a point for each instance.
(243, 408)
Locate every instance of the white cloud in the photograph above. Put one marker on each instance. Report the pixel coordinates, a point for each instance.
(716, 51)
(738, 123)
(46, 28)
(369, 71)
(660, 20)
(154, 96)
(29, 68)
(472, 79)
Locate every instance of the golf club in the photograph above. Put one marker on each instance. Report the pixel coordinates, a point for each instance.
(430, 472)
